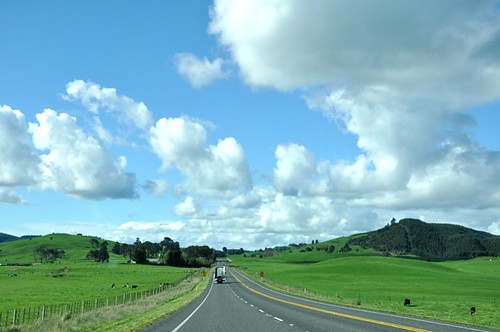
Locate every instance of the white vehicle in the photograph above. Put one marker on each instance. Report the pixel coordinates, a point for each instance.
(220, 274)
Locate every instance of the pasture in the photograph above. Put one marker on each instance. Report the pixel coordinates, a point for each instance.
(72, 278)
(437, 290)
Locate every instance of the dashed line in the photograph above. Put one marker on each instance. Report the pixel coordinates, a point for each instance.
(278, 319)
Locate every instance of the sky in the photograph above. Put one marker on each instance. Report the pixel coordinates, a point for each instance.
(247, 123)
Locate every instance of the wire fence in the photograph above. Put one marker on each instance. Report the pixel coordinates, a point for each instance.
(21, 316)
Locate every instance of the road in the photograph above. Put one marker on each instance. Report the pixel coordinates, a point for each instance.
(240, 304)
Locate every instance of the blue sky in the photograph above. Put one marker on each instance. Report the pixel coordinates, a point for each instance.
(247, 123)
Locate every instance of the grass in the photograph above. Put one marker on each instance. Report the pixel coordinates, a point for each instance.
(129, 317)
(73, 278)
(437, 290)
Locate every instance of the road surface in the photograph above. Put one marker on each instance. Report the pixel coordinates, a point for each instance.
(240, 304)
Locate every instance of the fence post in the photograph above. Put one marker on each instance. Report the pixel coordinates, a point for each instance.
(43, 312)
(14, 318)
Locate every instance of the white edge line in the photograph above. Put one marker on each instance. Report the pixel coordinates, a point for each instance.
(195, 310)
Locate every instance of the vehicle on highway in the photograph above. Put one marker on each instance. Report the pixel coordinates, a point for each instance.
(220, 274)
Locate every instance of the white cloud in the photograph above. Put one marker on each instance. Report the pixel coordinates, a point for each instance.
(9, 196)
(76, 163)
(399, 76)
(295, 165)
(199, 72)
(211, 170)
(19, 163)
(188, 207)
(157, 187)
(96, 98)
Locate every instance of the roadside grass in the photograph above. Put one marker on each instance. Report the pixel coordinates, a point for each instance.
(128, 317)
(437, 290)
(72, 278)
(69, 282)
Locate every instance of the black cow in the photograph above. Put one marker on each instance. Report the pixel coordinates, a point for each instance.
(407, 302)
(134, 286)
(472, 310)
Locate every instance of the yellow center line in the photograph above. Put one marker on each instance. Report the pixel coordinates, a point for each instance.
(334, 313)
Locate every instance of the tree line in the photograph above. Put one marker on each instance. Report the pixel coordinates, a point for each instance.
(166, 252)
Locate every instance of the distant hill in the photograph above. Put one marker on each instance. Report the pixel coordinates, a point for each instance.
(434, 241)
(7, 237)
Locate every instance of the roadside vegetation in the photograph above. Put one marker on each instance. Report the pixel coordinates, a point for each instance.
(361, 277)
(59, 270)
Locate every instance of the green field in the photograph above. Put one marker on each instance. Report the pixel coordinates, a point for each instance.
(438, 290)
(72, 278)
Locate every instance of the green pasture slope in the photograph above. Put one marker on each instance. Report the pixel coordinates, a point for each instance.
(437, 290)
(73, 278)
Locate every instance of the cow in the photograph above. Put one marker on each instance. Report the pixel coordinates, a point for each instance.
(134, 286)
(472, 310)
(113, 286)
(407, 302)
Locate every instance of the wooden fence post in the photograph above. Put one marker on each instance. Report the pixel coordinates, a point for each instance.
(14, 318)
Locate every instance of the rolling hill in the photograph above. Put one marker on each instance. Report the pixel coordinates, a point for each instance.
(432, 241)
(7, 237)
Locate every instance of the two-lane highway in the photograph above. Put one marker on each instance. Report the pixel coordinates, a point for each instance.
(241, 304)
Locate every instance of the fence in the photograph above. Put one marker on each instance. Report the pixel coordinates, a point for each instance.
(22, 316)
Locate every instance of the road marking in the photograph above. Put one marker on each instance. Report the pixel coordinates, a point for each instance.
(333, 313)
(261, 310)
(194, 311)
(278, 319)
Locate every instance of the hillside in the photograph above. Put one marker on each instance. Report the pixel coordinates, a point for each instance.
(21, 251)
(7, 237)
(433, 241)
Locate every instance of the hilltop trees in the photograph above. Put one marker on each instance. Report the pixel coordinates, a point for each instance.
(100, 255)
(47, 255)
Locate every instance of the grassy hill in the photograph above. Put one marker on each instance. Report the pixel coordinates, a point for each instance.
(21, 251)
(71, 278)
(7, 237)
(440, 290)
(431, 241)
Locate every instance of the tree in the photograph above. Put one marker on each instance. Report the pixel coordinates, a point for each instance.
(49, 255)
(116, 248)
(103, 255)
(173, 258)
(94, 243)
(138, 253)
(100, 255)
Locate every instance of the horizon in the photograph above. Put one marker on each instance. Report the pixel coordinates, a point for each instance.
(247, 124)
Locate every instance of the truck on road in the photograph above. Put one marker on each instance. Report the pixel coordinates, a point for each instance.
(220, 274)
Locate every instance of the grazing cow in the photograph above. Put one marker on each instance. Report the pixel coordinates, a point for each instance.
(126, 285)
(113, 286)
(134, 286)
(407, 302)
(12, 275)
(472, 310)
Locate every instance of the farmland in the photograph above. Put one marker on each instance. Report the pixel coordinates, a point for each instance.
(439, 290)
(73, 279)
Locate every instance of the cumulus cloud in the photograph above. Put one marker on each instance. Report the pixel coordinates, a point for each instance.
(157, 187)
(294, 166)
(199, 72)
(19, 162)
(219, 169)
(97, 98)
(398, 75)
(188, 207)
(9, 196)
(76, 163)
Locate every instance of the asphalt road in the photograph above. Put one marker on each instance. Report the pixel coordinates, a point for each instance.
(240, 304)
